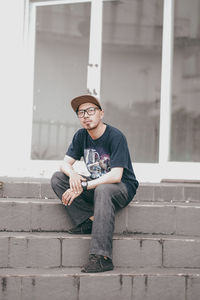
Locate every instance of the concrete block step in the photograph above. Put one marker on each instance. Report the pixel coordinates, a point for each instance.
(40, 188)
(139, 217)
(26, 188)
(50, 250)
(119, 284)
(33, 215)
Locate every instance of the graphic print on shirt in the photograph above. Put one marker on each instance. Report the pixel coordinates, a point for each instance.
(97, 163)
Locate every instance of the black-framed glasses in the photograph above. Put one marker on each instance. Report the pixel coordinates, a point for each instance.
(90, 111)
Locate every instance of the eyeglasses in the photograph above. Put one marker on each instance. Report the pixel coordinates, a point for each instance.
(90, 111)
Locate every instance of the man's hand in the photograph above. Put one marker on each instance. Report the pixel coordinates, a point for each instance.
(74, 178)
(69, 196)
(75, 182)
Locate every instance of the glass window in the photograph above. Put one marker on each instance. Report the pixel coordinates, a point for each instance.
(61, 59)
(185, 129)
(131, 72)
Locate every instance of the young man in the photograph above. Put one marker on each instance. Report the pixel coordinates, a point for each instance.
(91, 201)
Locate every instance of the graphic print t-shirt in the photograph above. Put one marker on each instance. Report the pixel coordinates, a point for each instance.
(97, 162)
(100, 155)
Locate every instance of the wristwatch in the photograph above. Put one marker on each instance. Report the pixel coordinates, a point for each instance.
(84, 185)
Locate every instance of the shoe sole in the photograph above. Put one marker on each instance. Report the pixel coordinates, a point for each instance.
(92, 271)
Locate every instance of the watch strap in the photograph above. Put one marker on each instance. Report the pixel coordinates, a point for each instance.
(84, 185)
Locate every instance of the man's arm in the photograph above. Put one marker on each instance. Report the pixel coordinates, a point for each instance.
(114, 176)
(74, 178)
(67, 165)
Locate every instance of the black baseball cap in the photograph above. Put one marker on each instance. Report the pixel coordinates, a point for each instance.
(76, 102)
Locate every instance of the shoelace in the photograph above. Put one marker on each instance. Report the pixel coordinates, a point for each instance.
(94, 257)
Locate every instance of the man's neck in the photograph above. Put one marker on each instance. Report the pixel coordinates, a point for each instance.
(98, 131)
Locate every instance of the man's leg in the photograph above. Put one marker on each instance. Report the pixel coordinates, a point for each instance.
(107, 198)
(82, 207)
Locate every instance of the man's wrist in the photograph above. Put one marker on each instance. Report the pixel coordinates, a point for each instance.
(84, 185)
(72, 173)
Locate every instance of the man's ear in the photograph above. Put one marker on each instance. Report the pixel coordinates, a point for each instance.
(102, 114)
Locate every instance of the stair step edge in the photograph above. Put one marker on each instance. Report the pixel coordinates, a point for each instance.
(125, 236)
(149, 271)
(132, 203)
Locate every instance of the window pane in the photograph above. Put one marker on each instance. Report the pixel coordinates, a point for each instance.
(131, 72)
(185, 130)
(61, 59)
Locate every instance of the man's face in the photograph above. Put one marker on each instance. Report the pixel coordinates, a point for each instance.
(90, 122)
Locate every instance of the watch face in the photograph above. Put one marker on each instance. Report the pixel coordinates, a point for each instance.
(84, 185)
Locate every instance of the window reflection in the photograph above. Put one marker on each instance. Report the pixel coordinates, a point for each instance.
(131, 71)
(61, 58)
(185, 131)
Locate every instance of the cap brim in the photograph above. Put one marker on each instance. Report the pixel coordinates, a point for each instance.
(76, 102)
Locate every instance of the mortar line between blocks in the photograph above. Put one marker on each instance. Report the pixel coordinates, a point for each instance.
(126, 218)
(162, 247)
(31, 217)
(61, 251)
(40, 190)
(186, 287)
(175, 215)
(183, 194)
(154, 193)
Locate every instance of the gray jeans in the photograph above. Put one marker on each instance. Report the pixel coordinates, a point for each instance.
(102, 203)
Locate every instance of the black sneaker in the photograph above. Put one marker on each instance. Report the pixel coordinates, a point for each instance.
(97, 263)
(84, 228)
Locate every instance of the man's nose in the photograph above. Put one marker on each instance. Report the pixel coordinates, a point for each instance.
(86, 114)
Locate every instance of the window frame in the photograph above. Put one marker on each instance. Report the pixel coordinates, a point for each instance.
(145, 171)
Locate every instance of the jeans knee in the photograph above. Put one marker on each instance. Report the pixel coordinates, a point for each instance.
(104, 188)
(103, 192)
(101, 189)
(56, 177)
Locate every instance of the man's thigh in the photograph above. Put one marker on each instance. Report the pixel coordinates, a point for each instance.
(116, 192)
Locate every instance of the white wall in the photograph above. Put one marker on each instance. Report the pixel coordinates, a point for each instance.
(14, 107)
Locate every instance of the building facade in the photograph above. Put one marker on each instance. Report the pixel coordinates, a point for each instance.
(140, 57)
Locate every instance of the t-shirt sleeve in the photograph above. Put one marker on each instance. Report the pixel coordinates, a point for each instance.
(75, 149)
(119, 152)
